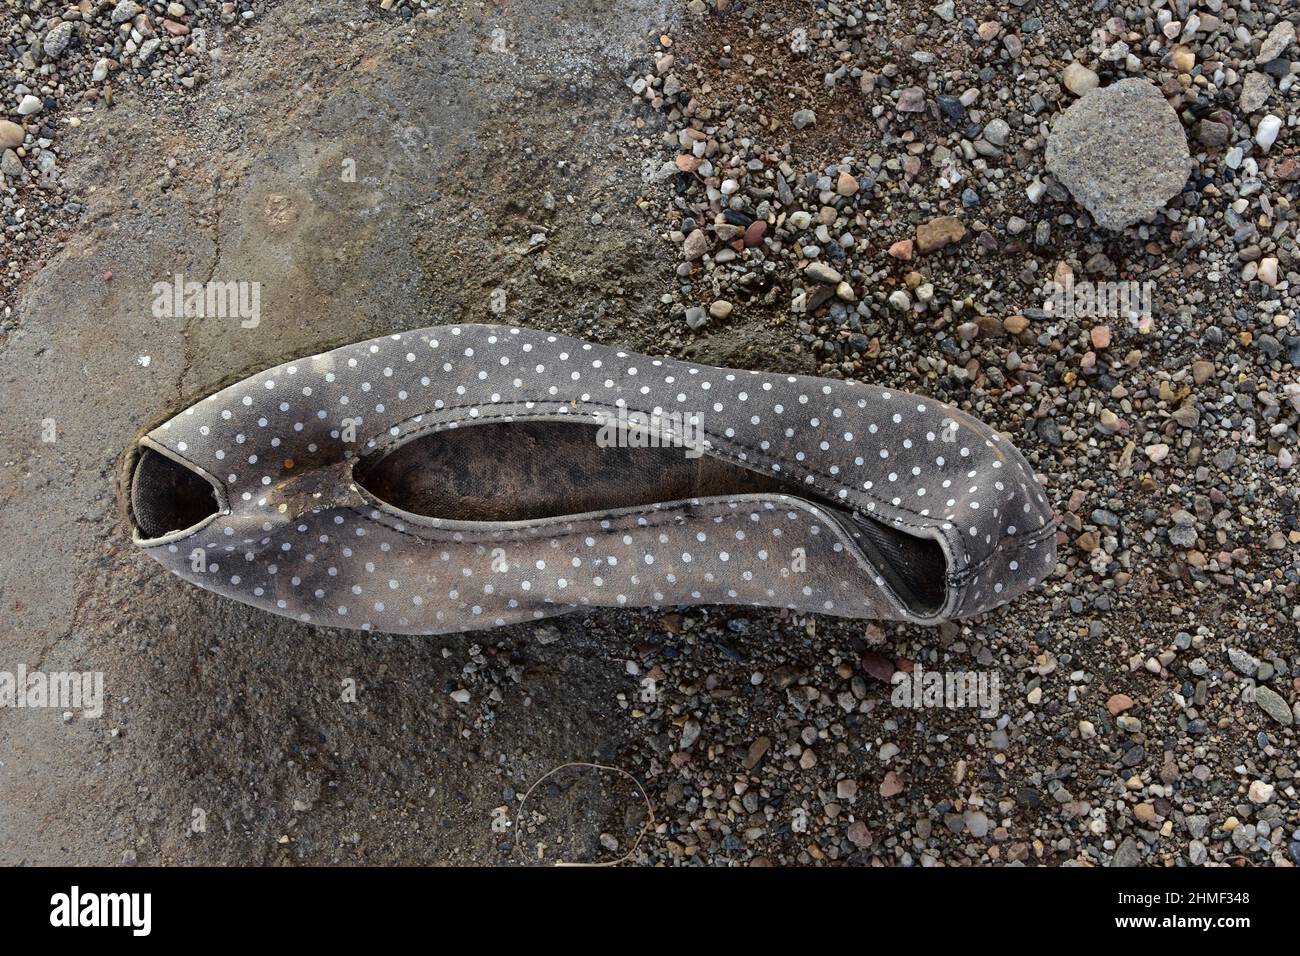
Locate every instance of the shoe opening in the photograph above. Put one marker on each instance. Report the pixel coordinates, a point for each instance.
(916, 569)
(166, 496)
(521, 471)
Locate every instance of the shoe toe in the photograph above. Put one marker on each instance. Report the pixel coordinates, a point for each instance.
(1001, 524)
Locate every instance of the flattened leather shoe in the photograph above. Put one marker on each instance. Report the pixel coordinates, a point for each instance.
(461, 477)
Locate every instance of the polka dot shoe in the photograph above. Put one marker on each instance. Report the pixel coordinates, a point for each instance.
(463, 477)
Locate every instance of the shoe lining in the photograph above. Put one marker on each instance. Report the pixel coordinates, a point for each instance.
(522, 471)
(167, 496)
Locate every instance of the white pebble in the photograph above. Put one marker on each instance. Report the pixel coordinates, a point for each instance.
(1266, 133)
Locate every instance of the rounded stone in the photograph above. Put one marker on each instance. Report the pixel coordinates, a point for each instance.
(11, 135)
(1078, 79)
(1121, 152)
(804, 118)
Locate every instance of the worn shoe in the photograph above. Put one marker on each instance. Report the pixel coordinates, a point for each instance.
(463, 477)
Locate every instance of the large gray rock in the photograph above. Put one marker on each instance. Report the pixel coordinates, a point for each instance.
(125, 10)
(1274, 704)
(1121, 151)
(1276, 42)
(1255, 91)
(57, 40)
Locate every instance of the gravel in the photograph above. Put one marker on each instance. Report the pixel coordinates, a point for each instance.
(959, 171)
